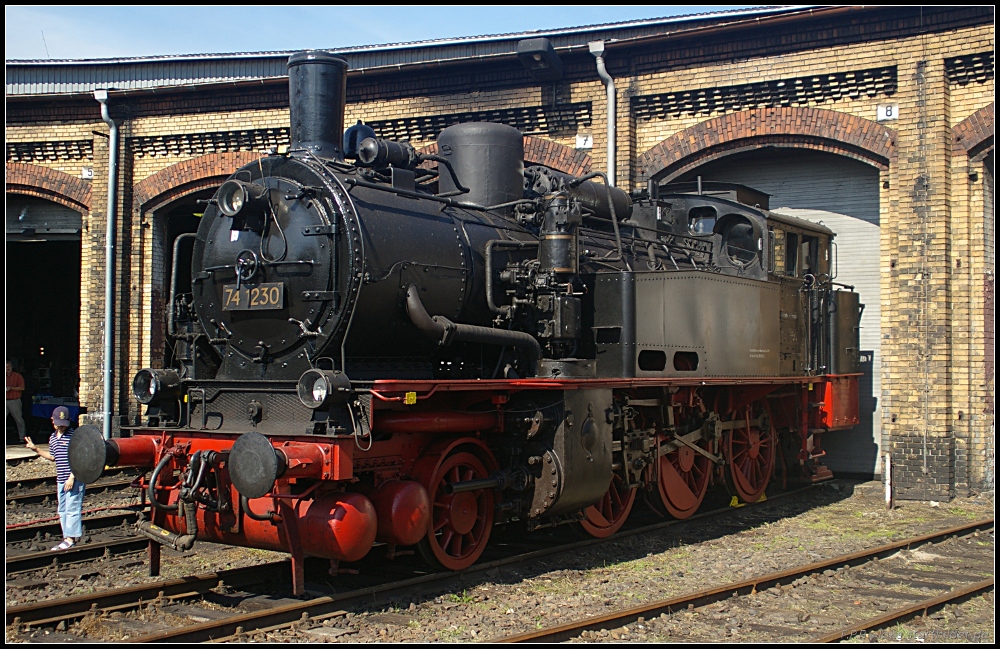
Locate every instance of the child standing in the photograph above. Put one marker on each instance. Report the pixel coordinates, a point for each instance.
(70, 491)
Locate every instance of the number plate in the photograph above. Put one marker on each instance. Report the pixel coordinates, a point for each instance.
(253, 298)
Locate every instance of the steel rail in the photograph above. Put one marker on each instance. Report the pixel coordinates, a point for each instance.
(906, 612)
(50, 481)
(50, 494)
(329, 605)
(76, 554)
(68, 609)
(563, 632)
(53, 528)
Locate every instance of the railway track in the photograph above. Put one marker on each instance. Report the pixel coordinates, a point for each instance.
(49, 482)
(27, 544)
(40, 490)
(379, 582)
(954, 569)
(35, 533)
(67, 610)
(79, 553)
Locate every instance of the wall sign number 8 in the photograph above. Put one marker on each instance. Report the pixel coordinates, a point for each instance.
(887, 112)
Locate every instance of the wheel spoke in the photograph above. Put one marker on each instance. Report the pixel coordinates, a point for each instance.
(750, 452)
(462, 522)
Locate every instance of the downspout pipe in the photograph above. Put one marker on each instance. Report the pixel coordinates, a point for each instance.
(109, 258)
(597, 49)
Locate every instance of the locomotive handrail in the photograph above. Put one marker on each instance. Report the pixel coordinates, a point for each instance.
(290, 262)
(668, 242)
(171, 326)
(434, 197)
(614, 217)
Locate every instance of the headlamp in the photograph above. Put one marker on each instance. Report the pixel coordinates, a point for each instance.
(149, 384)
(235, 195)
(316, 388)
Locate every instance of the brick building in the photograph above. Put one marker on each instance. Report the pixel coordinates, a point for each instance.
(878, 121)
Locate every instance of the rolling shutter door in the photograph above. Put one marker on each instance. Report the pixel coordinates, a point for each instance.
(36, 219)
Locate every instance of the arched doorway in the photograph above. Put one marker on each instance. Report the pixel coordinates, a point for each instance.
(842, 193)
(169, 204)
(172, 221)
(817, 164)
(43, 304)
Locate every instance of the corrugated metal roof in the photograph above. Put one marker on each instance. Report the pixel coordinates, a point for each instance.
(46, 77)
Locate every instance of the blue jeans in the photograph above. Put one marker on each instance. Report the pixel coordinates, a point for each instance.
(71, 509)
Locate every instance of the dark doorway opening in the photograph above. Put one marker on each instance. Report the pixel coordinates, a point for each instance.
(43, 326)
(178, 218)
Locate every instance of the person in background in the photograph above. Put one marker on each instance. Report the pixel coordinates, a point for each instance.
(70, 491)
(15, 388)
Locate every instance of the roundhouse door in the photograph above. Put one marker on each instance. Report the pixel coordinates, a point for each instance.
(43, 304)
(844, 194)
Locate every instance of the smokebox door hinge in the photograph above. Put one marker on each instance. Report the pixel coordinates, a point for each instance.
(318, 296)
(319, 230)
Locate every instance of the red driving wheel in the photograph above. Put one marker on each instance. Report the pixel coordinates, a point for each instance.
(683, 476)
(606, 517)
(750, 453)
(460, 523)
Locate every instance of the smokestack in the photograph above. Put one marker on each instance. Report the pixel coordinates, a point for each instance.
(317, 86)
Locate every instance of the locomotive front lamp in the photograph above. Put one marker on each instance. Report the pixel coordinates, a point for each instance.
(236, 195)
(317, 387)
(149, 385)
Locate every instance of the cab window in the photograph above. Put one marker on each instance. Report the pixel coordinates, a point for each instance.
(739, 242)
(701, 219)
(808, 256)
(791, 253)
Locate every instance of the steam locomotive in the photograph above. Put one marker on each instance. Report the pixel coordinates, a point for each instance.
(380, 345)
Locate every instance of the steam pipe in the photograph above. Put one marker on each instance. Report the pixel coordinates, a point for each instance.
(109, 257)
(151, 487)
(445, 331)
(171, 328)
(500, 243)
(597, 49)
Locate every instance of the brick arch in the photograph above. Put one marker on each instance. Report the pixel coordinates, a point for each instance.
(811, 128)
(974, 134)
(551, 154)
(178, 180)
(50, 184)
